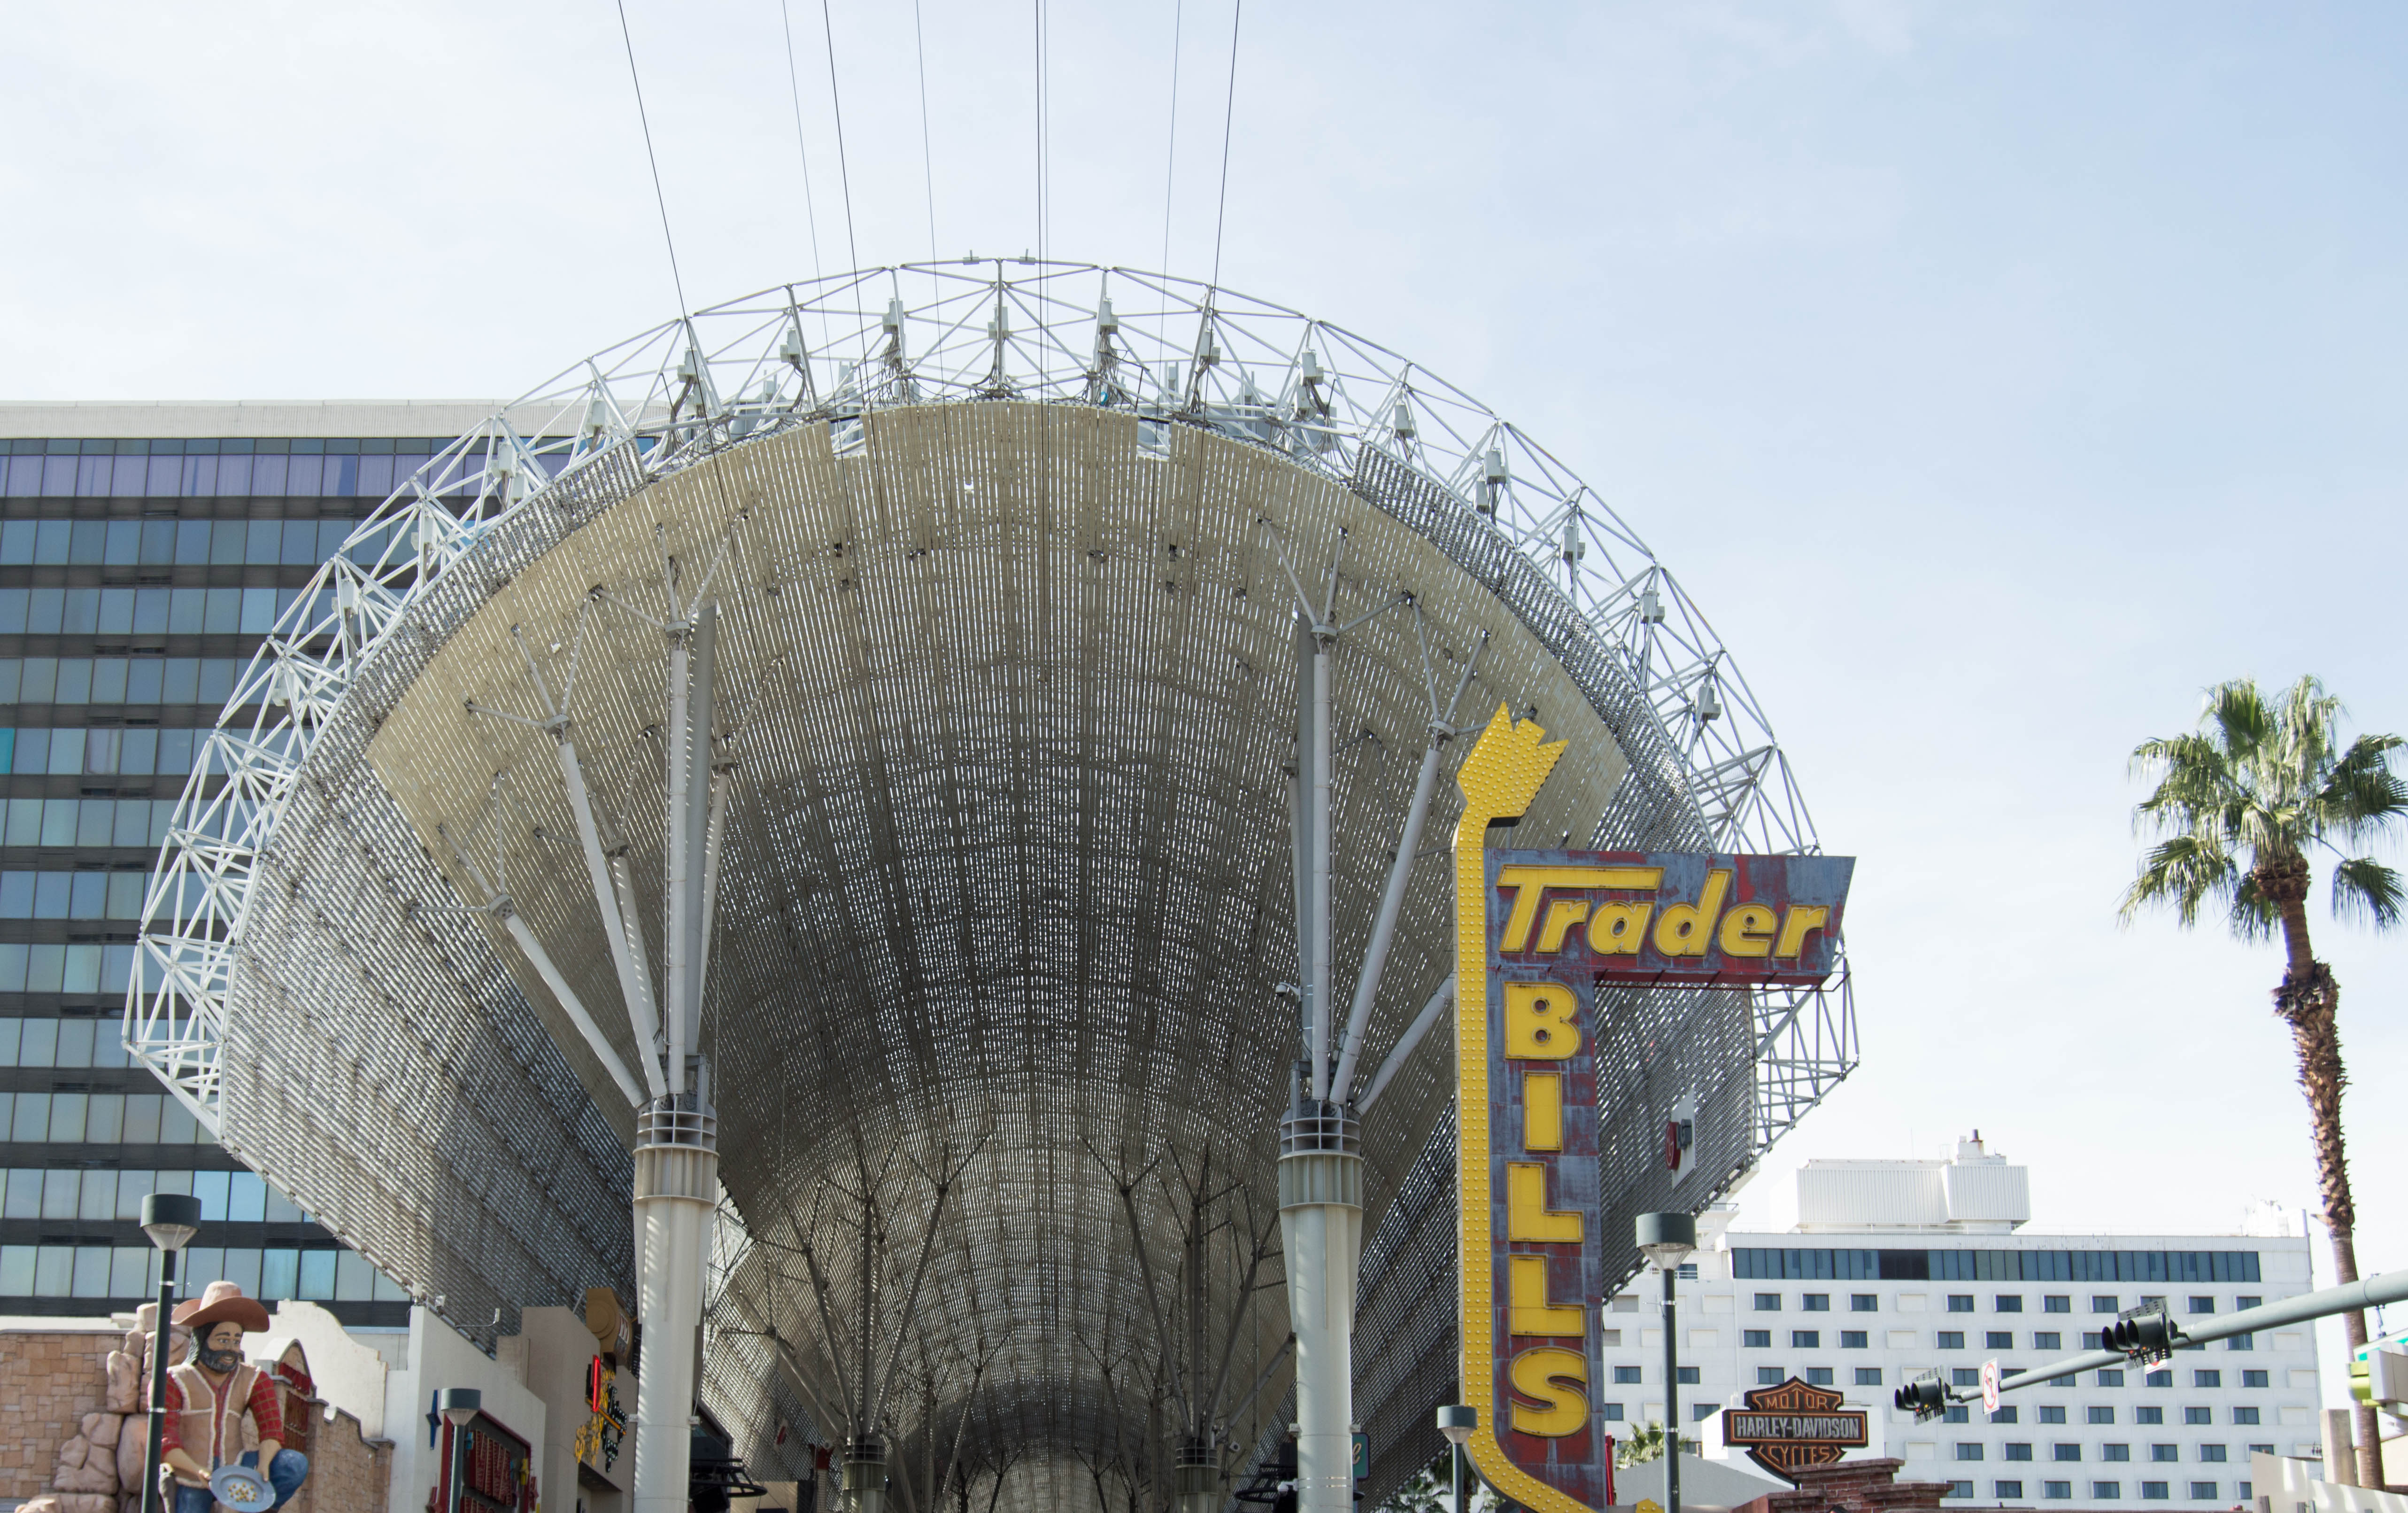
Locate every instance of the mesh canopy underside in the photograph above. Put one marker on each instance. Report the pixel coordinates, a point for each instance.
(1007, 697)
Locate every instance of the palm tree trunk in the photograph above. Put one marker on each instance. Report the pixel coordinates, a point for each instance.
(2309, 1001)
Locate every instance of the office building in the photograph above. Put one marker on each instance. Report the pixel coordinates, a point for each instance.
(145, 551)
(1899, 1267)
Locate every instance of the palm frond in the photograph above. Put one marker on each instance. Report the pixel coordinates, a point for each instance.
(2237, 712)
(2364, 888)
(2362, 794)
(2253, 917)
(2184, 871)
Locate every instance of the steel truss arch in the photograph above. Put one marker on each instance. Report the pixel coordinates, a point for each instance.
(1175, 356)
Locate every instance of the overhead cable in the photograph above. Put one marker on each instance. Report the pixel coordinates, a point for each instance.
(794, 91)
(662, 200)
(927, 163)
(1228, 117)
(1170, 155)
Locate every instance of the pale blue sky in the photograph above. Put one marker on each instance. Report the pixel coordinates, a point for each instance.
(1995, 375)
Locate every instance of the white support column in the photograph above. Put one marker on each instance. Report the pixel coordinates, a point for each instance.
(1321, 1230)
(676, 1176)
(611, 896)
(1383, 928)
(676, 1138)
(573, 1008)
(1320, 797)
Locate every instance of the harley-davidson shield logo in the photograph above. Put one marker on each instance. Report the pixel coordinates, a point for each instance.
(1793, 1425)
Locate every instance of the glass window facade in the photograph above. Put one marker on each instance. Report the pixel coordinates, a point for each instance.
(136, 581)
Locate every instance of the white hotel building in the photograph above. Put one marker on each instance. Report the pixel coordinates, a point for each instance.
(1898, 1267)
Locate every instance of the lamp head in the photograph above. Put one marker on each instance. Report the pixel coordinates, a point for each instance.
(460, 1404)
(1456, 1421)
(170, 1220)
(1668, 1238)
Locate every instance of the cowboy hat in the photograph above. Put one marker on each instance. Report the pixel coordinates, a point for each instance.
(218, 1303)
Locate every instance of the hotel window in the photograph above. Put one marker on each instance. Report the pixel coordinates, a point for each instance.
(1770, 1375)
(2094, 1339)
(2203, 1305)
(1964, 1376)
(1868, 1375)
(2198, 1416)
(2056, 1488)
(2048, 1340)
(2248, 1303)
(1957, 1413)
(2240, 1342)
(2211, 1452)
(1688, 1376)
(2165, 1452)
(1626, 1374)
(2244, 1416)
(1609, 1410)
(1852, 1339)
(2111, 1377)
(2149, 1414)
(1864, 1302)
(2207, 1379)
(1998, 1339)
(1755, 1339)
(2158, 1378)
(2102, 1303)
(2007, 1489)
(2115, 1452)
(2205, 1490)
(1817, 1302)
(1952, 1339)
(2050, 1413)
(1960, 1489)
(1805, 1339)
(2065, 1452)
(1968, 1452)
(1768, 1303)
(2107, 1491)
(2099, 1414)
(2153, 1490)
(2007, 1304)
(1960, 1302)
(2017, 1452)
(2006, 1414)
(2057, 1303)
(1818, 1376)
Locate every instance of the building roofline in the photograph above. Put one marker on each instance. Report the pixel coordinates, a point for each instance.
(131, 419)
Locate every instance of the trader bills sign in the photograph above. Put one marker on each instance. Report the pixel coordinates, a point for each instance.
(1538, 934)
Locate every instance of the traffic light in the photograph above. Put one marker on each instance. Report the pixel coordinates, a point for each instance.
(1923, 1397)
(2147, 1334)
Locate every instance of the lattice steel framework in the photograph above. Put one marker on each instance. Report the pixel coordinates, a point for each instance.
(313, 966)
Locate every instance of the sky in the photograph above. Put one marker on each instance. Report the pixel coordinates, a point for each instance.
(1995, 377)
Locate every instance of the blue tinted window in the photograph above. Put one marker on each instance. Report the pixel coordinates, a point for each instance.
(192, 543)
(124, 542)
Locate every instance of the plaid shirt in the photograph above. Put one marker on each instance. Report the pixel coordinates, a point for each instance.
(266, 1413)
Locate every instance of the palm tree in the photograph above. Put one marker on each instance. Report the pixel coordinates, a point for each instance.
(2242, 804)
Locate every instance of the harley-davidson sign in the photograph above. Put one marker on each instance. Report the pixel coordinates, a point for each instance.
(1793, 1425)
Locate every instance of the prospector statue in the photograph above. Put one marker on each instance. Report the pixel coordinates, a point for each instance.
(208, 1396)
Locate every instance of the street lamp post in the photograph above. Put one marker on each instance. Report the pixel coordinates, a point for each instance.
(1666, 1239)
(170, 1220)
(1457, 1421)
(459, 1406)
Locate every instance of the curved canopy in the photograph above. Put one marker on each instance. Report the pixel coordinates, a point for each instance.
(1002, 902)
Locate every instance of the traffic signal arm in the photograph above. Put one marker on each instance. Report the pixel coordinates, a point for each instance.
(2387, 1286)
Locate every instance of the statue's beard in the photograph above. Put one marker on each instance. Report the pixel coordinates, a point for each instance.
(220, 1362)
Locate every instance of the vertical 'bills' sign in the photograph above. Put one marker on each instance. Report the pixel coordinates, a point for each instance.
(1537, 933)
